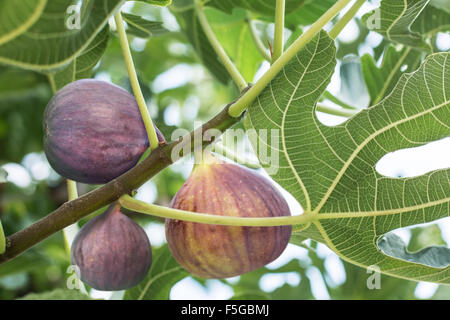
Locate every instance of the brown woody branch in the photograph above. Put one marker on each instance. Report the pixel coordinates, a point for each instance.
(72, 211)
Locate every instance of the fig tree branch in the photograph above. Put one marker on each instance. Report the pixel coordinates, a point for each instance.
(72, 211)
(161, 157)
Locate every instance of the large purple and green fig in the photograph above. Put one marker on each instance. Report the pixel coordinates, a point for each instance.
(111, 251)
(93, 131)
(216, 251)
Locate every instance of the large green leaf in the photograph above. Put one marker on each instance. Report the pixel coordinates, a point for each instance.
(393, 19)
(81, 67)
(381, 80)
(331, 170)
(164, 273)
(41, 39)
(263, 7)
(190, 25)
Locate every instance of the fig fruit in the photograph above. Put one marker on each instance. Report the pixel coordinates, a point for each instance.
(112, 251)
(216, 251)
(93, 131)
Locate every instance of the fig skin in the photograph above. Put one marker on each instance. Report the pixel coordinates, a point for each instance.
(93, 131)
(216, 251)
(112, 251)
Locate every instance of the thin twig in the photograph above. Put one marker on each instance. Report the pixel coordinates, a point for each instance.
(256, 40)
(278, 39)
(223, 57)
(151, 132)
(242, 104)
(72, 211)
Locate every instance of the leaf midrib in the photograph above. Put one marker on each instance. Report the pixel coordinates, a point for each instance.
(376, 213)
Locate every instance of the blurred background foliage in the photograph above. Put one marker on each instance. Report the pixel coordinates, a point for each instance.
(179, 90)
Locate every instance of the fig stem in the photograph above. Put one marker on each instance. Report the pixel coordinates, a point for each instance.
(72, 189)
(164, 212)
(51, 80)
(230, 154)
(151, 132)
(72, 211)
(2, 239)
(223, 57)
(334, 111)
(279, 30)
(242, 104)
(328, 95)
(256, 40)
(71, 231)
(340, 25)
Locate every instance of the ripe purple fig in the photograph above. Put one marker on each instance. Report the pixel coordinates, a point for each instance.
(216, 251)
(112, 251)
(93, 131)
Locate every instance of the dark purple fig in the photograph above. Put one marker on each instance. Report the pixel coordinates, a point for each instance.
(215, 251)
(112, 251)
(93, 131)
